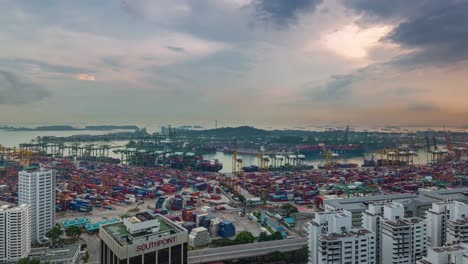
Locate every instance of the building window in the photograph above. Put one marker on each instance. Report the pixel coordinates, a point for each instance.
(163, 256)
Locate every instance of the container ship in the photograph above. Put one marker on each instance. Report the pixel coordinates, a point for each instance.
(241, 151)
(340, 165)
(210, 165)
(381, 162)
(255, 168)
(315, 150)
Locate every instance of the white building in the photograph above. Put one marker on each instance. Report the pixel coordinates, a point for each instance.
(445, 221)
(371, 220)
(450, 254)
(398, 239)
(199, 237)
(38, 190)
(143, 238)
(333, 239)
(15, 232)
(69, 254)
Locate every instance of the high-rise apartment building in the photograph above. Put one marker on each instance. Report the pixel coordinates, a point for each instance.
(333, 239)
(398, 239)
(15, 232)
(451, 254)
(37, 189)
(446, 220)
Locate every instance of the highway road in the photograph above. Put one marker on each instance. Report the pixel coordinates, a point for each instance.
(244, 251)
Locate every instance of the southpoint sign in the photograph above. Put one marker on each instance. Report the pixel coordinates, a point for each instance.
(158, 243)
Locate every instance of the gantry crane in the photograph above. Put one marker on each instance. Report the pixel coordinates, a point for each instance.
(236, 160)
(263, 160)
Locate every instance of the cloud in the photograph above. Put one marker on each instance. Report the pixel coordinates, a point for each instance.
(422, 107)
(435, 31)
(175, 49)
(14, 91)
(335, 90)
(157, 11)
(85, 77)
(43, 66)
(283, 12)
(383, 9)
(441, 36)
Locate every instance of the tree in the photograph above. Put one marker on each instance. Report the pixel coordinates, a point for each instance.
(275, 256)
(276, 236)
(300, 255)
(263, 237)
(244, 237)
(289, 209)
(31, 261)
(86, 257)
(55, 233)
(23, 261)
(241, 198)
(74, 232)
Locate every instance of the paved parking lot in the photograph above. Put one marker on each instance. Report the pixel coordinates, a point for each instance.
(241, 223)
(93, 247)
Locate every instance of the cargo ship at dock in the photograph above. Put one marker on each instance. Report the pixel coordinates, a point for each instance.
(316, 150)
(209, 165)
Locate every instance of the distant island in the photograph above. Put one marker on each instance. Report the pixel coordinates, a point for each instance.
(69, 128)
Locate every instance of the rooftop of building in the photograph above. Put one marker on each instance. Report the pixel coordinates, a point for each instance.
(458, 194)
(359, 203)
(64, 252)
(8, 206)
(141, 217)
(338, 213)
(423, 198)
(119, 232)
(461, 221)
(404, 222)
(450, 249)
(350, 233)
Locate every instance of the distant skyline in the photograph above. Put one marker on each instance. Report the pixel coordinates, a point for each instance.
(276, 63)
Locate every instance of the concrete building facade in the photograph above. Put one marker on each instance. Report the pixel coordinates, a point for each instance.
(446, 222)
(333, 239)
(15, 233)
(142, 239)
(37, 189)
(450, 254)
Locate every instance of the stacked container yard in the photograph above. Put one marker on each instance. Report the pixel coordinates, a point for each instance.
(189, 226)
(226, 229)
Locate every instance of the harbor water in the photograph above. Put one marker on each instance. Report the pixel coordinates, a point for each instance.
(14, 138)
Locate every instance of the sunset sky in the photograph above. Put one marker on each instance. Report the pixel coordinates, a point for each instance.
(271, 62)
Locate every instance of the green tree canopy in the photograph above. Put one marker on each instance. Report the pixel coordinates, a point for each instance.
(289, 209)
(275, 256)
(55, 233)
(263, 237)
(74, 232)
(31, 261)
(244, 237)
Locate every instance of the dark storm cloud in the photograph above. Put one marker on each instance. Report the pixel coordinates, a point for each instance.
(47, 67)
(385, 9)
(441, 35)
(14, 91)
(175, 49)
(283, 12)
(437, 29)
